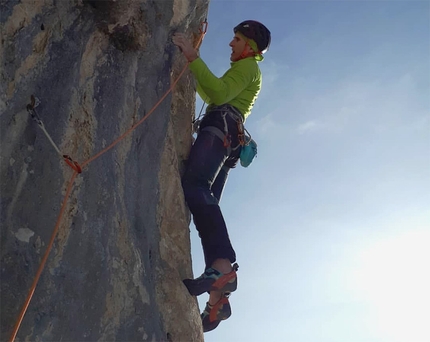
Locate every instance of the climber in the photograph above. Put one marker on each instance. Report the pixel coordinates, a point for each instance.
(216, 150)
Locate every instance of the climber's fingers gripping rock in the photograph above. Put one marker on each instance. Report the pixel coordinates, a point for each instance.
(186, 46)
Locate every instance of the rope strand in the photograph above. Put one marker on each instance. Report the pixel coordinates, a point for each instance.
(44, 259)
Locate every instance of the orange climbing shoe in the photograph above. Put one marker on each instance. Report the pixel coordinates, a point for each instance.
(213, 280)
(214, 314)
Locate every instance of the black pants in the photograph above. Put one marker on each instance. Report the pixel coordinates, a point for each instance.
(208, 166)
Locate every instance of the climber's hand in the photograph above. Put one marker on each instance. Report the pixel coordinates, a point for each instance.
(186, 47)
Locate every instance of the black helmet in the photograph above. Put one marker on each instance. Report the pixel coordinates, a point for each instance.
(256, 31)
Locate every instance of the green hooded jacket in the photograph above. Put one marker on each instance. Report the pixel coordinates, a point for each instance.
(239, 86)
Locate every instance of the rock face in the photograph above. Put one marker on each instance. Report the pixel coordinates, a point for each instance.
(122, 248)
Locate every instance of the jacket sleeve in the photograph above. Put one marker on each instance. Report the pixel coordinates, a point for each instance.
(233, 82)
(202, 94)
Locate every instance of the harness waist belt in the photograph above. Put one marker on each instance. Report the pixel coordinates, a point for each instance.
(231, 110)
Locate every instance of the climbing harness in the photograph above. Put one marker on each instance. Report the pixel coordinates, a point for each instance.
(77, 168)
(248, 145)
(224, 135)
(31, 109)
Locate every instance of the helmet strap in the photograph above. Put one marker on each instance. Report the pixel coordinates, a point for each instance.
(244, 53)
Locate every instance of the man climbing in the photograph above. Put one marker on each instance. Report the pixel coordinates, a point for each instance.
(216, 150)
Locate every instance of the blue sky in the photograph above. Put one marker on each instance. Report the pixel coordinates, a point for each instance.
(331, 222)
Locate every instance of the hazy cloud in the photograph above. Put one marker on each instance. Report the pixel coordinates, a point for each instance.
(308, 126)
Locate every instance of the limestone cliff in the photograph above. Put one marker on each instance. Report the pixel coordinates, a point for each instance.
(122, 248)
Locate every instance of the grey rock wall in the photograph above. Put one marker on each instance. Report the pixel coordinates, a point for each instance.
(123, 245)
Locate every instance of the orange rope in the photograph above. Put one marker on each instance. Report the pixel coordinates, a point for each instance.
(45, 258)
(132, 128)
(77, 169)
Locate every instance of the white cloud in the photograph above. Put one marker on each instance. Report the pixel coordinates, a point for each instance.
(308, 126)
(266, 125)
(354, 108)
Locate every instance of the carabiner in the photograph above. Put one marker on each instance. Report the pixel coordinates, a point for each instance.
(204, 27)
(74, 165)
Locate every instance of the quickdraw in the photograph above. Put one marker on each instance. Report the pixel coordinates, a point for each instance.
(31, 109)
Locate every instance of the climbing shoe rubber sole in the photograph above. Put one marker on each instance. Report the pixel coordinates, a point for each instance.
(214, 281)
(213, 315)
